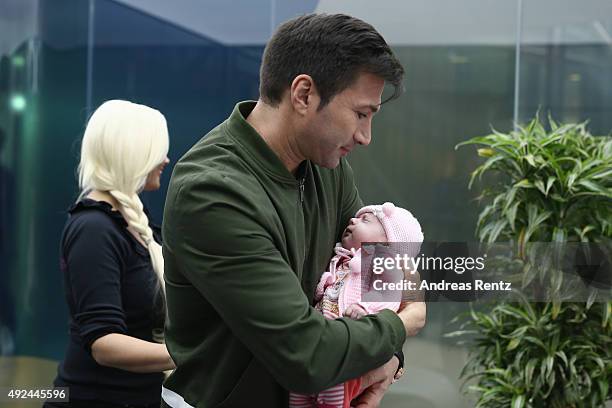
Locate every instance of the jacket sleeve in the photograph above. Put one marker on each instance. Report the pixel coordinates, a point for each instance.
(229, 256)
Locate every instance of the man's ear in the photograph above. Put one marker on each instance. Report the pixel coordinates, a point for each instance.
(303, 94)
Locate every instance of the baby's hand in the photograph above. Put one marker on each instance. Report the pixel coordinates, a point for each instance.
(355, 311)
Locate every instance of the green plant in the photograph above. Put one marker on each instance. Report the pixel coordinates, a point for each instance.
(548, 186)
(554, 184)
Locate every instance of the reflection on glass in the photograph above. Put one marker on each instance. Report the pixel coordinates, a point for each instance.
(565, 63)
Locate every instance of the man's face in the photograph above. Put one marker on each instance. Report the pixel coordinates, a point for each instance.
(343, 123)
(366, 228)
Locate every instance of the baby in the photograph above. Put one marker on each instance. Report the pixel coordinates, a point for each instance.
(340, 290)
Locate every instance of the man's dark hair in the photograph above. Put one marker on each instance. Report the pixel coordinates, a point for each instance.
(333, 49)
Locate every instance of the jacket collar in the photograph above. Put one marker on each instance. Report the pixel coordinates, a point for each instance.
(256, 148)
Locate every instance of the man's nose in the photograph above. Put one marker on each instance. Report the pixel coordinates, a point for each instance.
(364, 136)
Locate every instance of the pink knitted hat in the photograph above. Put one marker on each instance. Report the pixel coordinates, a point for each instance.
(399, 224)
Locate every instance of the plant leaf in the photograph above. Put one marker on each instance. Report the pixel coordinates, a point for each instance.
(518, 401)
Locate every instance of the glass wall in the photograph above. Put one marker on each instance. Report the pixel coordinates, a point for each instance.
(194, 61)
(565, 64)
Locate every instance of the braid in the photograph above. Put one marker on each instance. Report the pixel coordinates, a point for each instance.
(137, 219)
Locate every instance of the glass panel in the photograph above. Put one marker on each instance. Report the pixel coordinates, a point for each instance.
(565, 62)
(193, 63)
(459, 63)
(39, 73)
(18, 64)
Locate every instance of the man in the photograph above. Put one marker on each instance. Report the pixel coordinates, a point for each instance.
(252, 214)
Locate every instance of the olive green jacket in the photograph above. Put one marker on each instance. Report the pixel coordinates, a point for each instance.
(245, 243)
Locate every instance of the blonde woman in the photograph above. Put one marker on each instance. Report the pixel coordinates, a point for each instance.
(112, 264)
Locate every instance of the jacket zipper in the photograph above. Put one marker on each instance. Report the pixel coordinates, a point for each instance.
(302, 182)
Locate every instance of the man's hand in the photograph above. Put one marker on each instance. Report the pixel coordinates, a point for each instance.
(413, 316)
(374, 384)
(354, 311)
(413, 310)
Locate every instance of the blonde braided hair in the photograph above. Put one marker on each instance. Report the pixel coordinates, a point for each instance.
(122, 144)
(133, 212)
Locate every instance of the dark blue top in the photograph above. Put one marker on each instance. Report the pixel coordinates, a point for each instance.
(110, 287)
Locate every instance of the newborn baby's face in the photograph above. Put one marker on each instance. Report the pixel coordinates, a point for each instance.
(366, 228)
